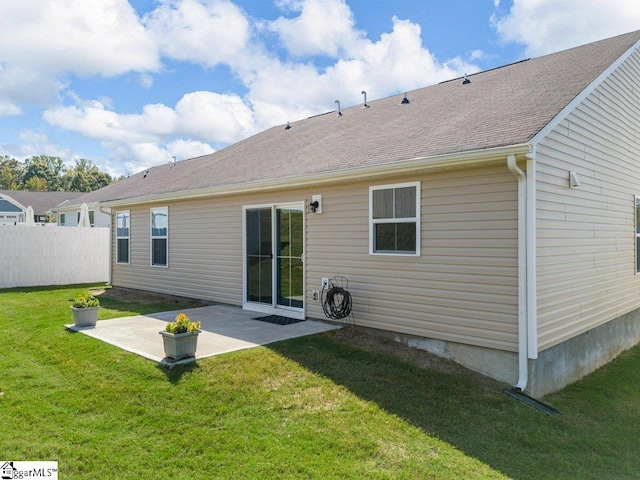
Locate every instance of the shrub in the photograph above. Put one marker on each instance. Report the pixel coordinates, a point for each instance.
(182, 324)
(86, 300)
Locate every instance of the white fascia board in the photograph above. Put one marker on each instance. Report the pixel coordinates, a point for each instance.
(420, 164)
(571, 106)
(72, 207)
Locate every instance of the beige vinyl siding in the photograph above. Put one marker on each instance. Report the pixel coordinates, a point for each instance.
(201, 263)
(585, 236)
(462, 288)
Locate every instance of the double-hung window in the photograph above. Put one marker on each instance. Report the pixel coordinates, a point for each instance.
(122, 237)
(159, 236)
(91, 218)
(394, 219)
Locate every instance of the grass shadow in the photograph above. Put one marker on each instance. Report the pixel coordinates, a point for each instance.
(175, 373)
(469, 411)
(115, 306)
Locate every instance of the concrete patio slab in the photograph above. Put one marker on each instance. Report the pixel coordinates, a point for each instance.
(224, 328)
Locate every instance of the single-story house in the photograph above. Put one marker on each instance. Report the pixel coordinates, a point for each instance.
(14, 204)
(492, 219)
(68, 214)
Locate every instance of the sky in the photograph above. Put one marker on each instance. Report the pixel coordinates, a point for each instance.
(130, 84)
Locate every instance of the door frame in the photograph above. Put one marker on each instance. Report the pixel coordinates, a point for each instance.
(274, 308)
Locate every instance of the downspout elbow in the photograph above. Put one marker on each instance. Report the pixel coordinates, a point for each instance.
(523, 364)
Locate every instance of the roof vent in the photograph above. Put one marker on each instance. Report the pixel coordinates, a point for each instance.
(466, 80)
(339, 111)
(364, 105)
(288, 126)
(405, 100)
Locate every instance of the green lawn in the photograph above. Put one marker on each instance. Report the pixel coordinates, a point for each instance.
(315, 407)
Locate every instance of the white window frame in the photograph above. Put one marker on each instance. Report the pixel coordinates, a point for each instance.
(62, 218)
(122, 237)
(636, 225)
(92, 218)
(158, 237)
(373, 222)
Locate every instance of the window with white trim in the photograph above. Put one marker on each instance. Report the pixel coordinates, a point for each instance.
(122, 237)
(394, 219)
(61, 219)
(637, 211)
(92, 217)
(159, 236)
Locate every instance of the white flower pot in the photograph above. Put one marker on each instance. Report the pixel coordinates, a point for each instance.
(180, 345)
(85, 317)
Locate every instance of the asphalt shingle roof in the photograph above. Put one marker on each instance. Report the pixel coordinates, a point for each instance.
(41, 202)
(500, 107)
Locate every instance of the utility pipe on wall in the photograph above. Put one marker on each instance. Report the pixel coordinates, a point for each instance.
(523, 371)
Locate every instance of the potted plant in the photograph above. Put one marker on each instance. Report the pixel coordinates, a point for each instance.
(180, 337)
(85, 310)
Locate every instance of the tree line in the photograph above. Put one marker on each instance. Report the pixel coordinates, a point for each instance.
(43, 173)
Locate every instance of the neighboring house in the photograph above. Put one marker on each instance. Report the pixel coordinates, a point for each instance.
(69, 213)
(11, 211)
(490, 220)
(14, 204)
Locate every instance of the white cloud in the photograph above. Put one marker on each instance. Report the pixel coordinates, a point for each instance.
(324, 27)
(93, 120)
(398, 61)
(141, 156)
(85, 38)
(206, 32)
(182, 149)
(34, 143)
(214, 117)
(545, 26)
(30, 136)
(157, 133)
(21, 86)
(8, 109)
(201, 116)
(43, 42)
(61, 40)
(475, 55)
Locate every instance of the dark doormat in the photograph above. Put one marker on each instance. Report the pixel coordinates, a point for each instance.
(278, 319)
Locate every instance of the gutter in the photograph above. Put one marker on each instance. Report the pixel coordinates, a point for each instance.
(458, 159)
(523, 303)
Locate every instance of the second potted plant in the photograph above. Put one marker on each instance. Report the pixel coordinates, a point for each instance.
(85, 310)
(180, 337)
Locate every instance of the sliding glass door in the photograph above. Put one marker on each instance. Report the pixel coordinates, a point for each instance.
(274, 256)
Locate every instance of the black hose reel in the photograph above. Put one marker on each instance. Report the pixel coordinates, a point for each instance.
(336, 299)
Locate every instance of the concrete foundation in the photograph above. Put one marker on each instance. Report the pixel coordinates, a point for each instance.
(569, 361)
(554, 368)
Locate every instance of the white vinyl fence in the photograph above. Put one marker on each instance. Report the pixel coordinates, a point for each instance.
(37, 255)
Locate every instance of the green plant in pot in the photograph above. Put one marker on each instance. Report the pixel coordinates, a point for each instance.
(180, 337)
(85, 310)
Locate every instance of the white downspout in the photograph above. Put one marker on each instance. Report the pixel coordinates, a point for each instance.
(532, 282)
(523, 371)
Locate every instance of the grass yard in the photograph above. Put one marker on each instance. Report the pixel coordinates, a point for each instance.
(327, 407)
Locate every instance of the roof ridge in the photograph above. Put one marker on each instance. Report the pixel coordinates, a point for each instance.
(487, 70)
